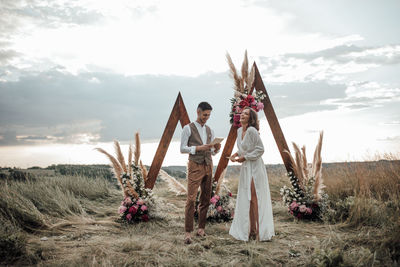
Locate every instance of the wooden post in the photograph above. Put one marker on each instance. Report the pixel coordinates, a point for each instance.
(273, 121)
(178, 113)
(223, 161)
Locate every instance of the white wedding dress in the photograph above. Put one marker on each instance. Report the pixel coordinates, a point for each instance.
(251, 148)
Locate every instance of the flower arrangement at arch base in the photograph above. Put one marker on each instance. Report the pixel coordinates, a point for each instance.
(306, 199)
(222, 206)
(139, 203)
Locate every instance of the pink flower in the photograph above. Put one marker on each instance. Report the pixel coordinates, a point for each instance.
(140, 202)
(293, 205)
(260, 106)
(122, 203)
(238, 109)
(254, 103)
(121, 209)
(308, 210)
(217, 197)
(129, 217)
(236, 117)
(143, 208)
(219, 208)
(133, 210)
(145, 218)
(128, 201)
(303, 208)
(213, 200)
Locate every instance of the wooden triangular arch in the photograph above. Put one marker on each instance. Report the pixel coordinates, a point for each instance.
(178, 113)
(273, 123)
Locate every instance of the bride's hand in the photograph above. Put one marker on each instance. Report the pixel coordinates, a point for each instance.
(240, 159)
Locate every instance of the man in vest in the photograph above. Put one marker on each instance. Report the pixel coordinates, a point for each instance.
(195, 140)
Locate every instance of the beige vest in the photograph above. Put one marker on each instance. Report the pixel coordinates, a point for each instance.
(201, 157)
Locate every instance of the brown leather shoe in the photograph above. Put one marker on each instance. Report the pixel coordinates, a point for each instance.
(201, 233)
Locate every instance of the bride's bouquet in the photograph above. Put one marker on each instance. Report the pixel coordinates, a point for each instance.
(305, 198)
(138, 201)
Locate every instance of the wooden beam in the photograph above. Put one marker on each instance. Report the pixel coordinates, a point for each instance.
(273, 121)
(223, 161)
(178, 113)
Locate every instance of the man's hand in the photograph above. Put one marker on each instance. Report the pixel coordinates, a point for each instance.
(203, 147)
(217, 147)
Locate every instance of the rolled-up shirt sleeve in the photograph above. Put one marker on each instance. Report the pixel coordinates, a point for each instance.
(184, 141)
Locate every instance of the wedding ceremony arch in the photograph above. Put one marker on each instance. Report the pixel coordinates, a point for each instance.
(179, 113)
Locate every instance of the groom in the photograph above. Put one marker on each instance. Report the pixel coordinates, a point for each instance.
(195, 140)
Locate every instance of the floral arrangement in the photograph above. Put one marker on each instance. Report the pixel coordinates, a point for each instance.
(243, 87)
(243, 101)
(222, 206)
(305, 198)
(138, 200)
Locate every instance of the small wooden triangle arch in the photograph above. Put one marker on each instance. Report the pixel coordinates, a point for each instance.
(179, 113)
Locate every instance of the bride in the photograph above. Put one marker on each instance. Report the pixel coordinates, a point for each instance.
(253, 212)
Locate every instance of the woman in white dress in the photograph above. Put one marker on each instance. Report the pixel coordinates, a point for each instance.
(253, 212)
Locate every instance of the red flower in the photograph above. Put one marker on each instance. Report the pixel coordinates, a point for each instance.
(244, 103)
(236, 118)
(250, 99)
(133, 210)
(145, 218)
(230, 194)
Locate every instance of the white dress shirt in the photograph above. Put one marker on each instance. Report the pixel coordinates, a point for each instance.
(203, 135)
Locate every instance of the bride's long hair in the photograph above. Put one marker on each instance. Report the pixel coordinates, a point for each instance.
(253, 118)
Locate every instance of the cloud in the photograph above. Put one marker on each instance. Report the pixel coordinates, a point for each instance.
(334, 64)
(96, 107)
(16, 13)
(297, 98)
(6, 56)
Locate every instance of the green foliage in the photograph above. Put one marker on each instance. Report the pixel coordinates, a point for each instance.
(93, 171)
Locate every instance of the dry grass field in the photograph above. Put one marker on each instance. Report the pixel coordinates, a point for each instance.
(61, 220)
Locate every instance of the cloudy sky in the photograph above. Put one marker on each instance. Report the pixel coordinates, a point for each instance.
(77, 74)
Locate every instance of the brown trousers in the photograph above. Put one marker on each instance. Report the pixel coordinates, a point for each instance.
(198, 175)
(253, 213)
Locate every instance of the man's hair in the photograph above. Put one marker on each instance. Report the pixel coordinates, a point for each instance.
(204, 106)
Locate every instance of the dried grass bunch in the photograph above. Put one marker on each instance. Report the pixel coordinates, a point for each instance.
(244, 82)
(306, 198)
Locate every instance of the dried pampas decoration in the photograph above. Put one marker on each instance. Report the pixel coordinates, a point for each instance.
(173, 184)
(220, 181)
(242, 84)
(317, 169)
(302, 171)
(120, 167)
